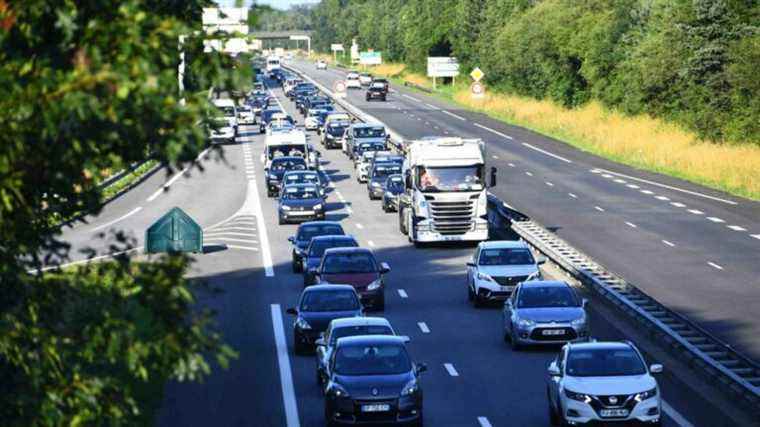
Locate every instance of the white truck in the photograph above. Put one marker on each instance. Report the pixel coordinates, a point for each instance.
(293, 143)
(273, 63)
(445, 190)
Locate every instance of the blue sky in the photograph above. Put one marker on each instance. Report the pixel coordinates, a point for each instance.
(279, 4)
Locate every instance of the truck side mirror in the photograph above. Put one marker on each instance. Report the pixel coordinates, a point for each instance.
(493, 177)
(408, 179)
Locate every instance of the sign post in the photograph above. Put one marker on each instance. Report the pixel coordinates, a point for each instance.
(442, 66)
(477, 89)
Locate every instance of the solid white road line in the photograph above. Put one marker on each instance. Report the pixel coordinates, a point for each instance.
(598, 208)
(714, 265)
(423, 327)
(736, 228)
(533, 147)
(286, 375)
(402, 293)
(572, 195)
(715, 219)
(453, 115)
(410, 97)
(503, 135)
(93, 259)
(359, 226)
(229, 233)
(695, 212)
(253, 205)
(668, 243)
(630, 224)
(450, 369)
(693, 193)
(123, 217)
(232, 239)
(675, 415)
(175, 178)
(483, 421)
(244, 248)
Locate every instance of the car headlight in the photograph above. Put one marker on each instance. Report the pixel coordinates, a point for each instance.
(328, 135)
(285, 207)
(318, 207)
(644, 395)
(580, 397)
(525, 323)
(410, 388)
(374, 285)
(302, 324)
(487, 278)
(336, 390)
(376, 184)
(579, 321)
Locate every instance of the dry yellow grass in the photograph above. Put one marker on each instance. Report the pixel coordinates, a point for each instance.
(388, 70)
(639, 141)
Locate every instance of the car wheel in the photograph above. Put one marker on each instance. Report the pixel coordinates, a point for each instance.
(384, 99)
(516, 346)
(380, 304)
(280, 220)
(477, 301)
(402, 221)
(470, 293)
(553, 417)
(298, 348)
(296, 265)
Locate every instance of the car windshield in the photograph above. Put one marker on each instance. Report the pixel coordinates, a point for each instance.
(300, 193)
(534, 296)
(604, 362)
(367, 147)
(301, 178)
(506, 256)
(318, 247)
(378, 85)
(382, 171)
(369, 132)
(318, 301)
(395, 183)
(458, 178)
(336, 129)
(227, 111)
(352, 331)
(373, 359)
(289, 164)
(308, 231)
(296, 150)
(359, 262)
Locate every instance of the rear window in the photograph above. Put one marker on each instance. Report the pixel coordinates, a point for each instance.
(352, 331)
(318, 247)
(316, 301)
(288, 164)
(355, 262)
(308, 231)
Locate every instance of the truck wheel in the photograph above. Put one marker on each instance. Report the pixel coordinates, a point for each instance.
(470, 293)
(401, 220)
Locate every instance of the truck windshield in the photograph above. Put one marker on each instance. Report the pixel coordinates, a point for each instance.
(450, 178)
(297, 150)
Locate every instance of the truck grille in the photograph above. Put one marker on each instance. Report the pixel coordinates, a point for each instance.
(450, 218)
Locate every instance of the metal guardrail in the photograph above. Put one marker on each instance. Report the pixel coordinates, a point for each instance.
(735, 372)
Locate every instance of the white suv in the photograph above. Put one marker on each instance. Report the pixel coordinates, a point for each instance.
(352, 81)
(602, 381)
(497, 267)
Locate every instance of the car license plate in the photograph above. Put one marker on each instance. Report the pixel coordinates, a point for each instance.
(379, 407)
(451, 238)
(553, 332)
(614, 412)
(301, 213)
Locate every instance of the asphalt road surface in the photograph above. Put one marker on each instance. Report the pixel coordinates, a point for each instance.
(248, 259)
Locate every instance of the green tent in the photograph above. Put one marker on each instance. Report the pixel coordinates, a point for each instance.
(174, 232)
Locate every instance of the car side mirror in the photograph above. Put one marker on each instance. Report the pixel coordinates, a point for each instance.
(292, 239)
(292, 311)
(584, 302)
(313, 271)
(541, 260)
(470, 264)
(493, 177)
(553, 370)
(421, 367)
(405, 338)
(408, 179)
(655, 369)
(384, 268)
(320, 342)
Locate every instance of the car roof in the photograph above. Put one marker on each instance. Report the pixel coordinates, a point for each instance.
(503, 244)
(609, 345)
(320, 223)
(361, 340)
(368, 125)
(349, 250)
(333, 237)
(328, 288)
(546, 283)
(301, 172)
(224, 102)
(360, 321)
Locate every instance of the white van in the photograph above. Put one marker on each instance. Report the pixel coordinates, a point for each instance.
(225, 117)
(273, 63)
(288, 144)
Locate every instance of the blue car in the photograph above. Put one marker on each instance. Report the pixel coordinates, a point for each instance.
(306, 232)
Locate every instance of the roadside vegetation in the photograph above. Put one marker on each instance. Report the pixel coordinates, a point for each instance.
(664, 85)
(86, 87)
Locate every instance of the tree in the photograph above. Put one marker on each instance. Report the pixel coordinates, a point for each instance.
(84, 85)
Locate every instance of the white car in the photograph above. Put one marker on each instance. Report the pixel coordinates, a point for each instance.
(245, 115)
(603, 382)
(321, 64)
(352, 81)
(497, 267)
(365, 79)
(226, 121)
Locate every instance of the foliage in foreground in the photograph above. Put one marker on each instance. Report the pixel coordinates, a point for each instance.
(84, 86)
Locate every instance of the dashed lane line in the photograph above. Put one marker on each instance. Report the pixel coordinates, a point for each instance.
(572, 195)
(714, 265)
(695, 212)
(423, 327)
(549, 184)
(450, 369)
(715, 219)
(511, 165)
(371, 243)
(402, 293)
(359, 226)
(675, 415)
(630, 224)
(453, 115)
(736, 228)
(286, 375)
(677, 204)
(671, 244)
(529, 173)
(755, 236)
(89, 260)
(121, 218)
(662, 198)
(598, 208)
(410, 97)
(533, 147)
(494, 131)
(483, 421)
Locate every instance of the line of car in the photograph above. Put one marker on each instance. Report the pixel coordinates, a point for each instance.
(365, 370)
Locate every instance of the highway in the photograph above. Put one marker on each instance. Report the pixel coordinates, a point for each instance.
(474, 378)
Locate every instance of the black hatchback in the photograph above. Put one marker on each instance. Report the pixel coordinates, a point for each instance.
(376, 90)
(317, 306)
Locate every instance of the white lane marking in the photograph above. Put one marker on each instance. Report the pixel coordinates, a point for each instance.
(675, 415)
(620, 181)
(123, 217)
(286, 375)
(495, 157)
(533, 147)
(647, 192)
(446, 132)
(677, 204)
(359, 226)
(595, 171)
(252, 205)
(431, 106)
(402, 293)
(736, 228)
(89, 260)
(630, 224)
(423, 327)
(229, 233)
(435, 127)
(371, 243)
(663, 198)
(756, 236)
(511, 165)
(671, 244)
(174, 178)
(598, 208)
(503, 135)
(410, 97)
(244, 248)
(695, 212)
(483, 421)
(693, 193)
(572, 195)
(633, 186)
(606, 175)
(450, 369)
(232, 239)
(715, 219)
(549, 184)
(453, 115)
(714, 265)
(529, 173)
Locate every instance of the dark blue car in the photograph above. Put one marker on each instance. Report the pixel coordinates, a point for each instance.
(306, 232)
(312, 256)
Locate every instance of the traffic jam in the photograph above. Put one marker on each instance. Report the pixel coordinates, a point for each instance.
(436, 188)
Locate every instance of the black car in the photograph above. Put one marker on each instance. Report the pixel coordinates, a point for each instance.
(303, 177)
(277, 170)
(317, 306)
(373, 380)
(266, 117)
(376, 91)
(300, 202)
(378, 174)
(306, 232)
(300, 89)
(312, 256)
(394, 186)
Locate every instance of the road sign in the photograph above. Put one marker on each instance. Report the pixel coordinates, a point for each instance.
(299, 37)
(477, 90)
(477, 74)
(174, 232)
(442, 66)
(335, 47)
(370, 58)
(339, 87)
